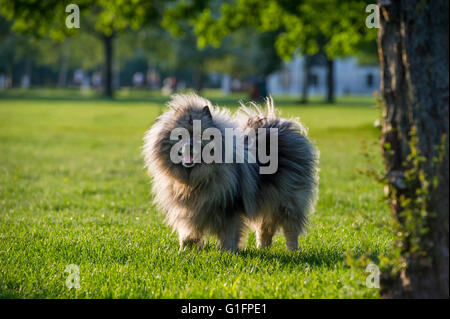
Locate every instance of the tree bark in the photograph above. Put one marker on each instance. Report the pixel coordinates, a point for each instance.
(306, 77)
(108, 89)
(330, 80)
(198, 78)
(10, 77)
(63, 68)
(28, 70)
(413, 51)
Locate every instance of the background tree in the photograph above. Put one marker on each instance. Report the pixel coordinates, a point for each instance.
(413, 49)
(22, 54)
(242, 54)
(330, 27)
(103, 18)
(246, 55)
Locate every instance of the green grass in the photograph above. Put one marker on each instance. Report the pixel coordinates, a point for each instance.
(73, 191)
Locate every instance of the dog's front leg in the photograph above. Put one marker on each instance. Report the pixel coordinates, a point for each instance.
(189, 240)
(230, 236)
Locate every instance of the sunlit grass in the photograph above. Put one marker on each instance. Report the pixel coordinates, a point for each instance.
(73, 191)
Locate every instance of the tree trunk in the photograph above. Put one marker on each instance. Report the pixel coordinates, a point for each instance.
(306, 77)
(63, 68)
(10, 76)
(330, 80)
(28, 71)
(198, 78)
(413, 50)
(108, 89)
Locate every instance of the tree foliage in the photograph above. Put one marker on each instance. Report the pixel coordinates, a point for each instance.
(47, 18)
(336, 27)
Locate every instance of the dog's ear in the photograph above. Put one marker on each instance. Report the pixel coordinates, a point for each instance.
(207, 112)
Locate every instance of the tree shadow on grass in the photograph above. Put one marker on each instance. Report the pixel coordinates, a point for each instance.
(317, 257)
(287, 258)
(314, 257)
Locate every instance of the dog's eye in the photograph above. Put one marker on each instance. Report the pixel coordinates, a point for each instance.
(180, 153)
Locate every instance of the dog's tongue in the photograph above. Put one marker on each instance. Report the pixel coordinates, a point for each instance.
(187, 158)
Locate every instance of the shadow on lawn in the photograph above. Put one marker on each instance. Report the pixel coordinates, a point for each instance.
(315, 258)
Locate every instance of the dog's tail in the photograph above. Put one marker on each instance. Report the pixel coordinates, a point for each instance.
(254, 110)
(297, 156)
(253, 116)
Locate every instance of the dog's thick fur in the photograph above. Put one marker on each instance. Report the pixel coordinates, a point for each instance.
(221, 198)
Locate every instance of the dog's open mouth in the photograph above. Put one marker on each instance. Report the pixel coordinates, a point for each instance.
(187, 159)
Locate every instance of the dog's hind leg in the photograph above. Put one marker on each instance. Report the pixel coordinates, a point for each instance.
(291, 231)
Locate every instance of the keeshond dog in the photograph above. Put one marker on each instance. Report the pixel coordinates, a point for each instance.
(224, 198)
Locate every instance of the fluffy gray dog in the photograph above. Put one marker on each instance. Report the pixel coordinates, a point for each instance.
(221, 198)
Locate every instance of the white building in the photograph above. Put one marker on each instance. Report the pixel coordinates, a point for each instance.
(349, 78)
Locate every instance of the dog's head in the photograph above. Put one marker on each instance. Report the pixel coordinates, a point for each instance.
(174, 144)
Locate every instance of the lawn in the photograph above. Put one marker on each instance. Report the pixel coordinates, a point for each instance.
(73, 191)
